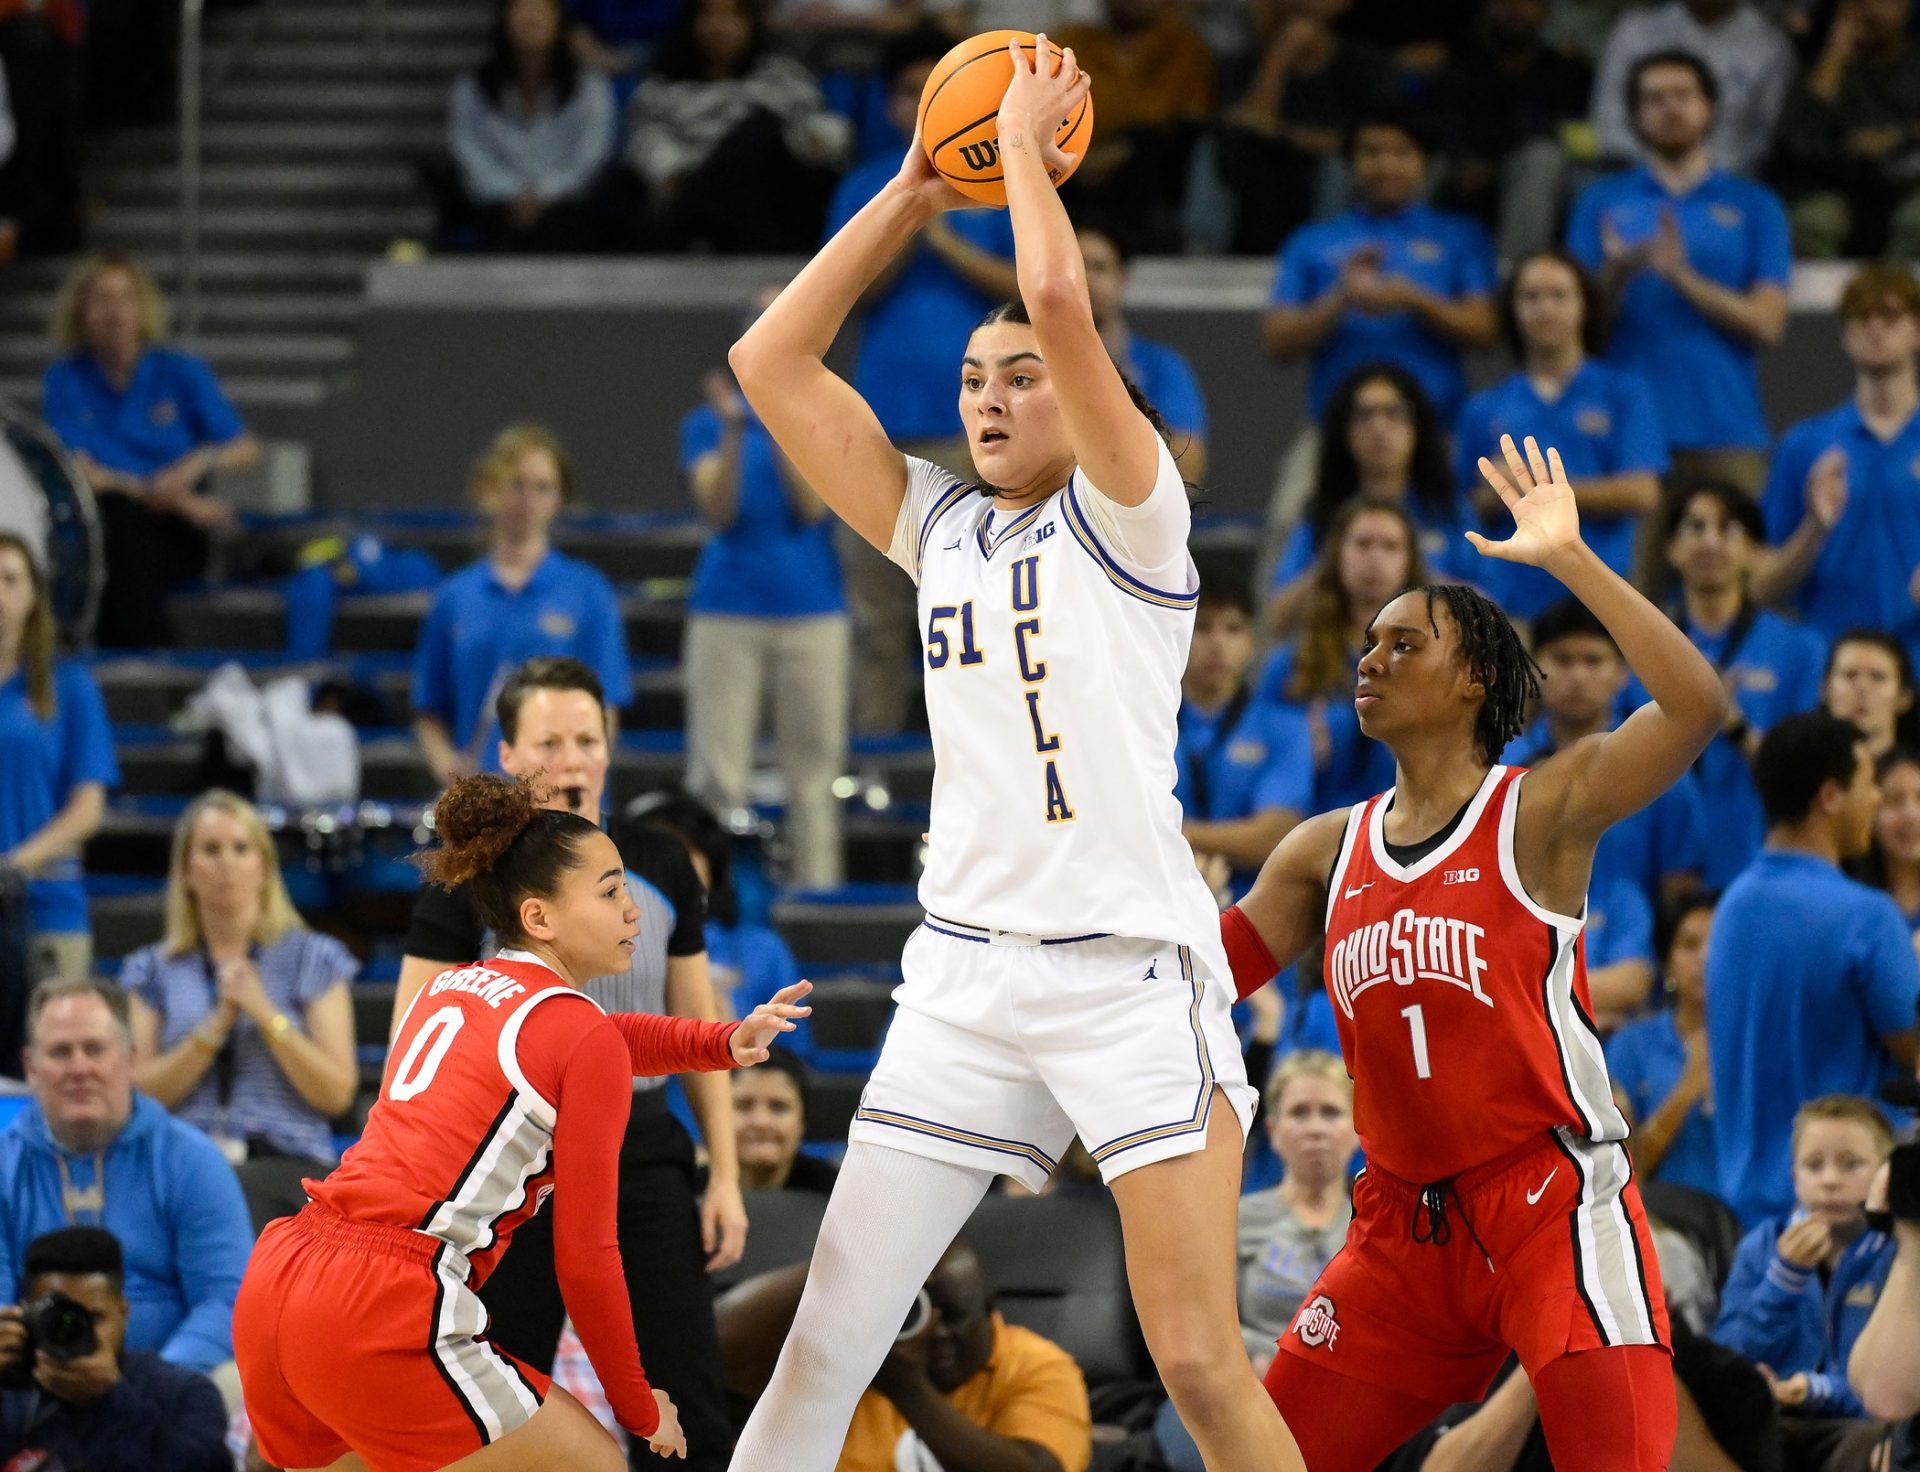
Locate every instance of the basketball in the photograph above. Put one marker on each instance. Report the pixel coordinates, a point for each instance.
(959, 116)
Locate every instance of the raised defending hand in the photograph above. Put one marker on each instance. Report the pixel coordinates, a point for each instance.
(1039, 99)
(1540, 499)
(767, 1021)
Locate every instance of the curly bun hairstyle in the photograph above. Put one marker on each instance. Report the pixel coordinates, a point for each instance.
(497, 839)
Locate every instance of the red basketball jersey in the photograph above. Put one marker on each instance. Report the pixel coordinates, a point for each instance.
(459, 1145)
(1462, 1004)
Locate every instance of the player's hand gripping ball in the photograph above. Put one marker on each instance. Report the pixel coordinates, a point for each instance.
(960, 115)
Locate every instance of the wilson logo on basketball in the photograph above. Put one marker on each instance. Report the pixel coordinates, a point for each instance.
(1317, 1324)
(982, 155)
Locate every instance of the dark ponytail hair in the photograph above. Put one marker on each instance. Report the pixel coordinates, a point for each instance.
(497, 839)
(1015, 311)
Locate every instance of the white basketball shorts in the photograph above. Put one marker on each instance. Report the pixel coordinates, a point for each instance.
(1003, 1047)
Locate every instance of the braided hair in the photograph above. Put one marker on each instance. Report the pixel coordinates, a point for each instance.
(1495, 657)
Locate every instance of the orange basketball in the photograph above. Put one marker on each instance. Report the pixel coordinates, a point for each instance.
(960, 115)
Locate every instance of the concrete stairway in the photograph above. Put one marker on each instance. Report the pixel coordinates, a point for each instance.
(315, 122)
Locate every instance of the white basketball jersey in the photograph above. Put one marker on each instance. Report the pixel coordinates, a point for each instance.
(1053, 693)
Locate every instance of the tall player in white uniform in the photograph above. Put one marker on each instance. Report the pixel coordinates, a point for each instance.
(1069, 976)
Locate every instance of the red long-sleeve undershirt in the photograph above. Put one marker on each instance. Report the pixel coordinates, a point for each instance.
(588, 1075)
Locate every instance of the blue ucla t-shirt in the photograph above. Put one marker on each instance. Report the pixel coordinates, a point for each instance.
(1443, 544)
(41, 762)
(768, 563)
(914, 334)
(1807, 970)
(478, 630)
(1447, 254)
(1261, 761)
(1603, 424)
(1167, 379)
(1774, 669)
(1348, 765)
(1703, 378)
(1646, 1058)
(1860, 578)
(172, 406)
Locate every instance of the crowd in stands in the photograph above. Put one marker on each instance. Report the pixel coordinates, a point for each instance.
(1614, 195)
(724, 125)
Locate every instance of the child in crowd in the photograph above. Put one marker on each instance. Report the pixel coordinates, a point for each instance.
(1802, 1288)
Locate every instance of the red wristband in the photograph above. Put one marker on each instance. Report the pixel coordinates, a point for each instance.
(1252, 963)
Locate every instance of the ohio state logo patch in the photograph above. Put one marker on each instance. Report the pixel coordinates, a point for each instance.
(1316, 1323)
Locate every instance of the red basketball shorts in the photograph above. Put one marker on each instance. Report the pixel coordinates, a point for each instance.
(1543, 1252)
(355, 1337)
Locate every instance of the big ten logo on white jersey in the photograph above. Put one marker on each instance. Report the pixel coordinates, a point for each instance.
(951, 644)
(1405, 949)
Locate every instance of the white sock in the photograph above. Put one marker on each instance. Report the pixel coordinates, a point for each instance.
(891, 1217)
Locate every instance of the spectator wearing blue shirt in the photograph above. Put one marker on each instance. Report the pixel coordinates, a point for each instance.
(90, 1152)
(1659, 1063)
(242, 1016)
(1843, 501)
(1160, 372)
(1803, 1285)
(1393, 279)
(1892, 863)
(56, 764)
(1619, 941)
(1812, 985)
(1772, 668)
(1372, 553)
(1601, 419)
(148, 426)
(1869, 682)
(1660, 849)
(1382, 439)
(766, 616)
(1245, 765)
(915, 321)
(522, 600)
(1696, 262)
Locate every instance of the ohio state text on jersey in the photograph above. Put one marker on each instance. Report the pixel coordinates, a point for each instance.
(1462, 1005)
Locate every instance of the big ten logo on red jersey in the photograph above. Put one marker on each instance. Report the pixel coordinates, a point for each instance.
(1404, 949)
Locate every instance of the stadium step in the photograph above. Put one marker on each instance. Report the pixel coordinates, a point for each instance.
(372, 227)
(122, 923)
(857, 923)
(332, 58)
(254, 619)
(375, 97)
(627, 550)
(329, 183)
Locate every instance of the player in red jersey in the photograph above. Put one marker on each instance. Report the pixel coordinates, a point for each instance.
(1497, 1212)
(359, 1338)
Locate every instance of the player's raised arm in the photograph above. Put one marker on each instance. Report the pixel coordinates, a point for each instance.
(1601, 779)
(816, 417)
(1111, 439)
